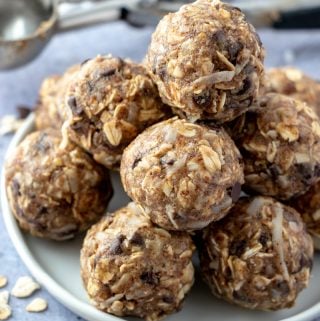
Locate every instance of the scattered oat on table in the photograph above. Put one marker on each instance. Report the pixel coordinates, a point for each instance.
(24, 287)
(3, 281)
(37, 305)
(4, 297)
(5, 311)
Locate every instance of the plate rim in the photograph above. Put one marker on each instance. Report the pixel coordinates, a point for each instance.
(83, 309)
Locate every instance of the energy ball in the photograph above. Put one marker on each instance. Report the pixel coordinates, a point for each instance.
(131, 267)
(259, 257)
(207, 61)
(279, 139)
(55, 193)
(50, 110)
(308, 205)
(183, 175)
(294, 83)
(109, 102)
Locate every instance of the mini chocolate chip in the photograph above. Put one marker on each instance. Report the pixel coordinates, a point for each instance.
(282, 287)
(246, 86)
(203, 99)
(306, 172)
(317, 170)
(16, 188)
(136, 162)
(115, 247)
(85, 61)
(233, 49)
(240, 296)
(305, 262)
(274, 170)
(108, 72)
(81, 127)
(264, 238)
(162, 73)
(150, 278)
(289, 88)
(237, 247)
(137, 239)
(219, 38)
(164, 161)
(235, 192)
(167, 299)
(72, 102)
(23, 111)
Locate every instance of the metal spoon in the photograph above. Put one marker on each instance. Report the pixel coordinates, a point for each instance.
(27, 26)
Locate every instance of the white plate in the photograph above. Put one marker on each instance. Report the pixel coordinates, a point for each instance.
(56, 267)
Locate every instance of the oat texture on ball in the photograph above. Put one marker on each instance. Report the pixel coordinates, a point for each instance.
(54, 192)
(293, 82)
(308, 205)
(131, 267)
(207, 61)
(279, 139)
(109, 102)
(183, 175)
(50, 110)
(259, 256)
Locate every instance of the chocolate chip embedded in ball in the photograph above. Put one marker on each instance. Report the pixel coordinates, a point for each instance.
(131, 267)
(55, 192)
(259, 256)
(207, 61)
(279, 139)
(183, 175)
(108, 103)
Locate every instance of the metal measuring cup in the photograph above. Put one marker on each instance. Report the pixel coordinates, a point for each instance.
(26, 26)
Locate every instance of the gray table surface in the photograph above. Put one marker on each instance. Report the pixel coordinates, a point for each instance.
(19, 87)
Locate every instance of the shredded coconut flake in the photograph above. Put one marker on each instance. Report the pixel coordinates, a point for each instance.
(169, 212)
(277, 224)
(255, 206)
(217, 77)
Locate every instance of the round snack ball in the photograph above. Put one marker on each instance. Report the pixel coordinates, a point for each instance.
(308, 205)
(293, 82)
(183, 175)
(131, 267)
(207, 61)
(109, 102)
(50, 110)
(279, 139)
(55, 193)
(259, 256)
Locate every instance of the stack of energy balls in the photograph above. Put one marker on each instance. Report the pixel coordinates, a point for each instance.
(189, 129)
